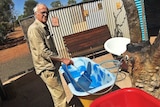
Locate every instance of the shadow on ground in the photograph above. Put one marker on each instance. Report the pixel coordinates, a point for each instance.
(27, 91)
(30, 91)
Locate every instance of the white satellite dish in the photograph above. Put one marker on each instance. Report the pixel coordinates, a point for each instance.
(116, 45)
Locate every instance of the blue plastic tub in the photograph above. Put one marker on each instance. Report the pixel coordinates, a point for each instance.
(86, 77)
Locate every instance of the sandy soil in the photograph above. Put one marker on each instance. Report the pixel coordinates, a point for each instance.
(15, 60)
(14, 52)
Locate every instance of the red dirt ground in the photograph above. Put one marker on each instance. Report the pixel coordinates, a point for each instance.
(16, 51)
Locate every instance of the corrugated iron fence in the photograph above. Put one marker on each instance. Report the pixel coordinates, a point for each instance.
(80, 17)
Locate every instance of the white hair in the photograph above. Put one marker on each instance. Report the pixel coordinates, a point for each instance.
(36, 7)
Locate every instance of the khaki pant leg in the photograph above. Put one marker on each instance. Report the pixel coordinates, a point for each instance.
(55, 88)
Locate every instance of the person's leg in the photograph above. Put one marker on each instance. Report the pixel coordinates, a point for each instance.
(59, 96)
(55, 87)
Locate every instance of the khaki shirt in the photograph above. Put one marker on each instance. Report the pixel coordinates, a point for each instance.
(42, 47)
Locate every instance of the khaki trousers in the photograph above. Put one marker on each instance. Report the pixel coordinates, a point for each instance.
(55, 88)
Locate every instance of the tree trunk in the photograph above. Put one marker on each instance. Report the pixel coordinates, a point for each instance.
(144, 62)
(133, 21)
(144, 67)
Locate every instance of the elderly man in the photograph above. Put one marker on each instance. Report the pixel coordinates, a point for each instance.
(45, 58)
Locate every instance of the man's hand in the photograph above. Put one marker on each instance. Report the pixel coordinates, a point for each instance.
(67, 61)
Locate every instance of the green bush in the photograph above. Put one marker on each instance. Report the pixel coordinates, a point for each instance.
(5, 28)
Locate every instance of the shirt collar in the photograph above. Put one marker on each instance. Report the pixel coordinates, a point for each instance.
(43, 25)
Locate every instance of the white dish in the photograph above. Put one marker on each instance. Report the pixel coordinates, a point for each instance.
(116, 45)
